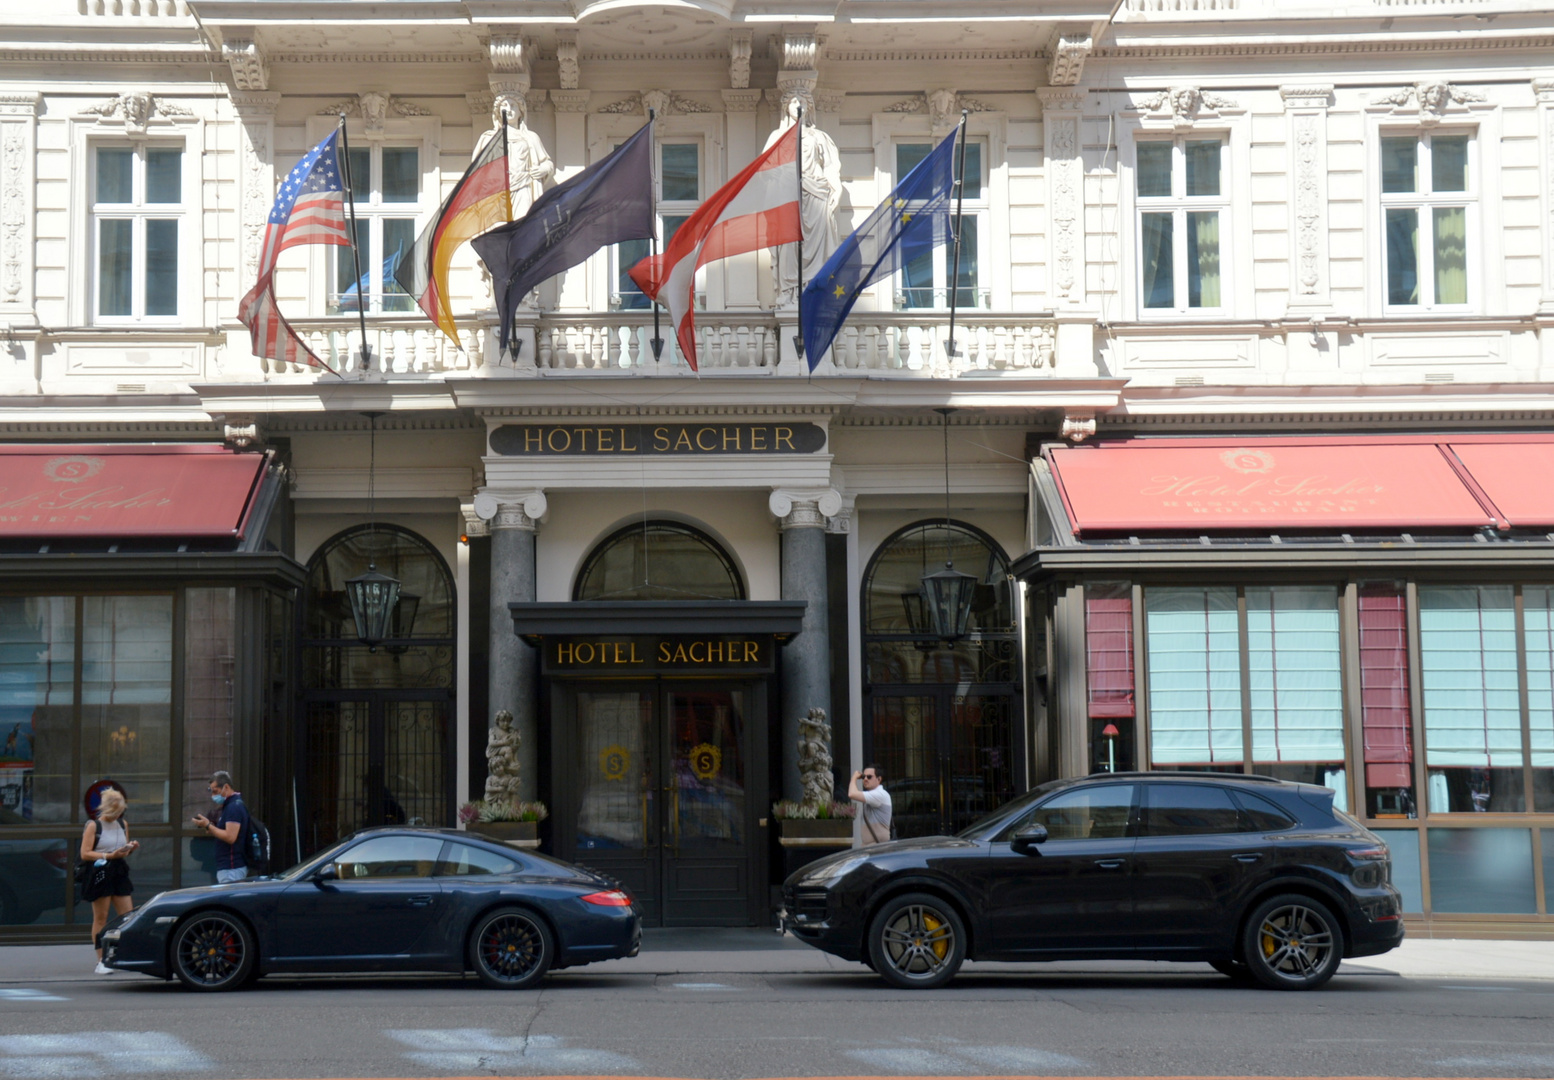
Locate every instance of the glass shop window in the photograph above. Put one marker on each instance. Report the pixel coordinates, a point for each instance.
(1193, 650)
(37, 709)
(1109, 674)
(1297, 685)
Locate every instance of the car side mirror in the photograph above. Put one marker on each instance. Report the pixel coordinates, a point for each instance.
(327, 872)
(1026, 839)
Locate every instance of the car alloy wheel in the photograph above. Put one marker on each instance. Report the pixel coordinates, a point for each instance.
(511, 949)
(1293, 943)
(917, 942)
(213, 951)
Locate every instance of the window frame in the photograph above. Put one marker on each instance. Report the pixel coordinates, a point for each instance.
(370, 217)
(139, 212)
(663, 208)
(1424, 203)
(1178, 205)
(978, 210)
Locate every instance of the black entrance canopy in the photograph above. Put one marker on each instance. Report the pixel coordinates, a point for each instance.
(783, 619)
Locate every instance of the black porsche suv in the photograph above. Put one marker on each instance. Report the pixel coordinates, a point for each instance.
(1261, 878)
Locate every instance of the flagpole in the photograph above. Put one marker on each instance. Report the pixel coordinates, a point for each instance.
(356, 255)
(656, 342)
(515, 343)
(798, 161)
(960, 199)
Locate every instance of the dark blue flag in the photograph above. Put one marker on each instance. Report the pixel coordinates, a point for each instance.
(910, 223)
(606, 203)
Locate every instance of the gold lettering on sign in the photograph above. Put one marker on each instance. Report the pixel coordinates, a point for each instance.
(784, 437)
(633, 448)
(734, 432)
(752, 648)
(564, 652)
(582, 437)
(532, 440)
(684, 440)
(758, 438)
(664, 655)
(661, 438)
(705, 431)
(565, 435)
(606, 441)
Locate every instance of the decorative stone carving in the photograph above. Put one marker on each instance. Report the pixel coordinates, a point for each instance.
(529, 164)
(1078, 425)
(1069, 53)
(741, 101)
(249, 71)
(942, 106)
(241, 435)
(520, 510)
(1061, 114)
(474, 525)
(479, 102)
(18, 127)
(256, 114)
(739, 59)
(1433, 98)
(510, 54)
(136, 109)
(502, 771)
(666, 102)
(798, 51)
(815, 762)
(1318, 96)
(374, 108)
(566, 58)
(841, 522)
(1308, 204)
(1184, 103)
(820, 170)
(829, 101)
(804, 509)
(569, 101)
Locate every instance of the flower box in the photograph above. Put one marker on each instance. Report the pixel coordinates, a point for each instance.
(520, 834)
(814, 832)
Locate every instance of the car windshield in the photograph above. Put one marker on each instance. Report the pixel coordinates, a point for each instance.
(314, 860)
(984, 824)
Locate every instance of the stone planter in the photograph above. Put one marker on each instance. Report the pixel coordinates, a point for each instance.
(520, 834)
(836, 832)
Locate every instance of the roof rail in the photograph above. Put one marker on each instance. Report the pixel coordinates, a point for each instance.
(1202, 775)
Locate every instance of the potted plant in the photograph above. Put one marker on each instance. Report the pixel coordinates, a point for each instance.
(824, 824)
(515, 823)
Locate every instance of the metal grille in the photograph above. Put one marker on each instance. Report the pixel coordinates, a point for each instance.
(414, 763)
(337, 764)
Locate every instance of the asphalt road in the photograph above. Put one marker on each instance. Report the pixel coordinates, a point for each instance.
(748, 1023)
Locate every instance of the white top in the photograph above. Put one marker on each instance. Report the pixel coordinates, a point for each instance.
(874, 817)
(113, 836)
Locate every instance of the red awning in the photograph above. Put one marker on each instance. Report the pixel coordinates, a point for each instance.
(1387, 484)
(178, 492)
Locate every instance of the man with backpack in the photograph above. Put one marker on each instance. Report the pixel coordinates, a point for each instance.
(228, 828)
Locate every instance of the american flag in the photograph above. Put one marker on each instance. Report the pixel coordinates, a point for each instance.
(310, 209)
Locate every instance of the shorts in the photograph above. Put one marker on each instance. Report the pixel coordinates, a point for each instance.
(230, 877)
(114, 882)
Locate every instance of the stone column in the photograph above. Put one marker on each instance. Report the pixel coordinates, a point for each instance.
(514, 518)
(806, 660)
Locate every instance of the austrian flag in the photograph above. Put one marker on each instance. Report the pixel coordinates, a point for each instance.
(757, 209)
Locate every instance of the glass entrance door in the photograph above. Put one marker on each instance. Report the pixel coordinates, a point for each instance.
(947, 755)
(657, 777)
(368, 760)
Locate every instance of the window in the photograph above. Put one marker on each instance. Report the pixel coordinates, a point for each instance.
(1189, 810)
(659, 560)
(679, 194)
(390, 857)
(1428, 203)
(1296, 685)
(924, 279)
(462, 860)
(1193, 651)
(1260, 815)
(1182, 204)
(137, 212)
(386, 184)
(1092, 813)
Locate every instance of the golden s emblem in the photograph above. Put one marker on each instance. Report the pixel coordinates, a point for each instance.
(72, 470)
(614, 762)
(706, 760)
(1242, 460)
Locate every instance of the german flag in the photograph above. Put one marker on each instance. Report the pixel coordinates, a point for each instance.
(479, 201)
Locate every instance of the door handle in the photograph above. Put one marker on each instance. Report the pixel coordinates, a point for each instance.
(1248, 857)
(421, 901)
(1109, 864)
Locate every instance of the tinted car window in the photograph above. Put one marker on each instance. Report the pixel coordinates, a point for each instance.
(1189, 810)
(390, 857)
(1262, 815)
(1090, 813)
(462, 860)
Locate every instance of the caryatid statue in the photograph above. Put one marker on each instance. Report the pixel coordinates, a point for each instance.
(529, 165)
(821, 168)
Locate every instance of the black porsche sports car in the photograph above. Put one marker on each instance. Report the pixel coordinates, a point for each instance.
(1259, 877)
(395, 899)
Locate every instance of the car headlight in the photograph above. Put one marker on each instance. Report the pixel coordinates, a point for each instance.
(830, 872)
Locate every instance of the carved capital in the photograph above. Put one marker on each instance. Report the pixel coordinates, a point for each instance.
(741, 101)
(254, 105)
(1060, 99)
(569, 101)
(249, 71)
(739, 59)
(24, 105)
(474, 524)
(511, 509)
(1069, 53)
(1078, 425)
(479, 108)
(798, 51)
(566, 58)
(806, 509)
(1318, 96)
(841, 522)
(510, 53)
(1544, 89)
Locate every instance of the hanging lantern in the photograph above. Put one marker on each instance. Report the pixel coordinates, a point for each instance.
(947, 598)
(402, 624)
(374, 598)
(917, 622)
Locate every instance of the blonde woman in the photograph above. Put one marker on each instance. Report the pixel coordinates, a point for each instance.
(106, 844)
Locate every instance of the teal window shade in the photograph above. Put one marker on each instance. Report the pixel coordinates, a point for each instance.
(1467, 644)
(1194, 656)
(1538, 617)
(1295, 674)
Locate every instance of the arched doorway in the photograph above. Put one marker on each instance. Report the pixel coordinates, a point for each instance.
(658, 726)
(375, 742)
(941, 718)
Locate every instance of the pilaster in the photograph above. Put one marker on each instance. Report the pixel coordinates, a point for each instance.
(741, 281)
(1306, 109)
(1543, 89)
(1062, 111)
(18, 187)
(571, 157)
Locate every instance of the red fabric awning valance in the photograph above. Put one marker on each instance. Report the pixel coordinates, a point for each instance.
(178, 492)
(1387, 484)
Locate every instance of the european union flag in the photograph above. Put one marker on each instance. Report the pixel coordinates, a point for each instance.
(913, 221)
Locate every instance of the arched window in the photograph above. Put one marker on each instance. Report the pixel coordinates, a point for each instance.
(941, 717)
(659, 560)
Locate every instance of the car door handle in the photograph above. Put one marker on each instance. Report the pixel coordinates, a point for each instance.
(421, 901)
(1248, 856)
(1109, 864)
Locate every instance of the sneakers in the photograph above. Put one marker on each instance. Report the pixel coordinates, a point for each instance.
(103, 969)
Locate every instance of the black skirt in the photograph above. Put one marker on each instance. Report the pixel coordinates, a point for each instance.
(110, 879)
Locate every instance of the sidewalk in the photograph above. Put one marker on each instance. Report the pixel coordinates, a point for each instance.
(763, 952)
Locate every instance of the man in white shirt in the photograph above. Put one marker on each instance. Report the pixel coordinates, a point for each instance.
(867, 788)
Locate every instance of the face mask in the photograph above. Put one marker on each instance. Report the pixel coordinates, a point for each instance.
(218, 799)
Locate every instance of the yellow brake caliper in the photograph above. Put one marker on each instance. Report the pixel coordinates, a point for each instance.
(1269, 944)
(940, 944)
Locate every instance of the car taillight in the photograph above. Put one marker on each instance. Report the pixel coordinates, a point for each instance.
(60, 857)
(608, 898)
(1369, 854)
